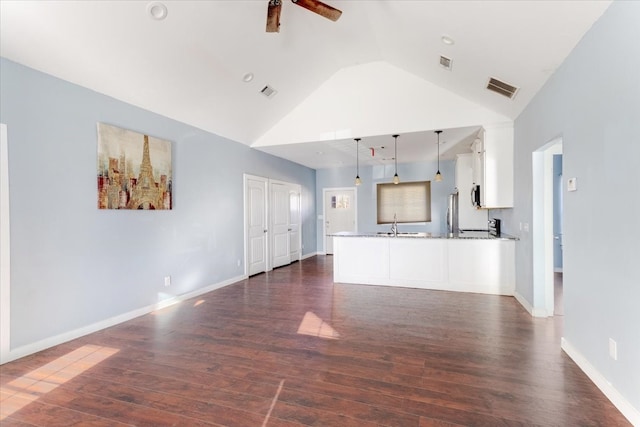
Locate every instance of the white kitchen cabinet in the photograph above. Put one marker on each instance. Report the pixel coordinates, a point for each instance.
(486, 265)
(477, 161)
(469, 217)
(493, 166)
(361, 260)
(417, 262)
(464, 265)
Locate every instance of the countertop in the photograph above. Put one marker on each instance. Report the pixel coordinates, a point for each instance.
(477, 235)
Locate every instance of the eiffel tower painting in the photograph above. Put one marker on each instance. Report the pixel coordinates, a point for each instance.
(134, 170)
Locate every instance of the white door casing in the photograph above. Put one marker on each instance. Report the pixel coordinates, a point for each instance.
(272, 212)
(256, 255)
(279, 221)
(5, 246)
(542, 228)
(340, 213)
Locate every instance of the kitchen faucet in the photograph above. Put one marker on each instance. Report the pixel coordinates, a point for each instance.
(394, 226)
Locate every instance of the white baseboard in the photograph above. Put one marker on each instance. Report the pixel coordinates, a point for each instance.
(623, 405)
(523, 302)
(534, 312)
(312, 254)
(557, 270)
(28, 349)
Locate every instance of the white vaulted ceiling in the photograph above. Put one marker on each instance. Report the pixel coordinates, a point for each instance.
(372, 73)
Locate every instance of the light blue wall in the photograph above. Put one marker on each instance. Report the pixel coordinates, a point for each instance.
(73, 265)
(593, 103)
(345, 177)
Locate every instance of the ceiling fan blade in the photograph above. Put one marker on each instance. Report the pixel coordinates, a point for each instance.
(320, 8)
(273, 16)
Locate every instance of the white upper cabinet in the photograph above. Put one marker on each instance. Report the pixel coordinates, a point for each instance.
(469, 218)
(493, 166)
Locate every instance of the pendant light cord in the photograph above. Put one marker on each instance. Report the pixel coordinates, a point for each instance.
(438, 151)
(395, 152)
(357, 157)
(438, 174)
(358, 181)
(396, 179)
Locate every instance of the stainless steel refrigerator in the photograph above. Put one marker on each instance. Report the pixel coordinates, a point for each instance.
(453, 212)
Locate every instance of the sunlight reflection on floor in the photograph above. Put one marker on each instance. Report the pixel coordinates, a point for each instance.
(20, 392)
(315, 326)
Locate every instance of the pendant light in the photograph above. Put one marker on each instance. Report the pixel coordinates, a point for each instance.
(358, 181)
(438, 174)
(396, 179)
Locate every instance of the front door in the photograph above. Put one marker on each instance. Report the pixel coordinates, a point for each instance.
(339, 214)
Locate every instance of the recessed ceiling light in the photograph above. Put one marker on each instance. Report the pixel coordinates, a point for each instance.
(157, 10)
(447, 40)
(247, 77)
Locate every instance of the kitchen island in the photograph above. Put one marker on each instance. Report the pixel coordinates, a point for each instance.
(465, 262)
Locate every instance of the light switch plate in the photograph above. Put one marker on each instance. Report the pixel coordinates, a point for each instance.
(572, 184)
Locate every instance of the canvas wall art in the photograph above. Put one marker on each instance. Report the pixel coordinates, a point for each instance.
(134, 170)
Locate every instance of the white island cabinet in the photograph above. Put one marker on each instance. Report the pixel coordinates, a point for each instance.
(454, 264)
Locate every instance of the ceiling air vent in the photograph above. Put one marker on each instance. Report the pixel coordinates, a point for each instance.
(502, 88)
(445, 62)
(268, 91)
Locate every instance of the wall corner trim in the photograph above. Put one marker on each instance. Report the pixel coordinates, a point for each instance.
(618, 400)
(534, 312)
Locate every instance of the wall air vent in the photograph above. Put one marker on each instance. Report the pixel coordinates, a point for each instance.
(502, 88)
(268, 91)
(445, 62)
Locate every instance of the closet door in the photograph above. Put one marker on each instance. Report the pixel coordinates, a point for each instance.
(256, 224)
(295, 250)
(279, 213)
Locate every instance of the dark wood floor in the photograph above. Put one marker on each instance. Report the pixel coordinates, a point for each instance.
(292, 348)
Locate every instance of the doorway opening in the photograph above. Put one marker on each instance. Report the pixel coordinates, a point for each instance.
(558, 306)
(547, 229)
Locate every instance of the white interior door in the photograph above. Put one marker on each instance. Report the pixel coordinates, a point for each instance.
(256, 224)
(339, 214)
(279, 213)
(295, 250)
